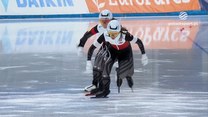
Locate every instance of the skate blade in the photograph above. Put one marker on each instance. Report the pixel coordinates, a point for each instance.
(85, 91)
(118, 89)
(132, 90)
(89, 94)
(97, 97)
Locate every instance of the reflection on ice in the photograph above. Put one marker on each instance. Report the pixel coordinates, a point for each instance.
(42, 37)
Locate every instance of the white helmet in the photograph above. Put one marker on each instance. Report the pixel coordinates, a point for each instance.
(105, 14)
(114, 26)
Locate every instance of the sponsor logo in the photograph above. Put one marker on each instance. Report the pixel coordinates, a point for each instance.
(44, 3)
(142, 6)
(183, 15)
(39, 3)
(99, 5)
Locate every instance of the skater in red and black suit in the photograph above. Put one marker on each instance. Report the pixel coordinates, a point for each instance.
(116, 41)
(105, 17)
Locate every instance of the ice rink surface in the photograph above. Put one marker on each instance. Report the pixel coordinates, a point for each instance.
(41, 74)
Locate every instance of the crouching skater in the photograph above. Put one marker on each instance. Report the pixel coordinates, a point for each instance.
(104, 18)
(116, 43)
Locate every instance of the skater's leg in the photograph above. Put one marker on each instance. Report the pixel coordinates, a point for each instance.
(130, 81)
(105, 87)
(105, 81)
(130, 74)
(125, 70)
(97, 71)
(97, 75)
(119, 81)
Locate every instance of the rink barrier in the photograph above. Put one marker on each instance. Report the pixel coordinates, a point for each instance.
(18, 9)
(95, 15)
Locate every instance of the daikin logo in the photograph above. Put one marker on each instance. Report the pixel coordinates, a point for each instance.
(39, 3)
(44, 3)
(5, 4)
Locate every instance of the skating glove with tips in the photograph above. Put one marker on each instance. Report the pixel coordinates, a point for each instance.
(80, 51)
(144, 59)
(88, 66)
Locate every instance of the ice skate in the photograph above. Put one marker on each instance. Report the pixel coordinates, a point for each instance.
(130, 82)
(102, 94)
(92, 92)
(105, 90)
(89, 88)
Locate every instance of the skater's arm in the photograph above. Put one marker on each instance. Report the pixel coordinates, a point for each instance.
(141, 45)
(90, 52)
(136, 40)
(87, 35)
(96, 44)
(139, 42)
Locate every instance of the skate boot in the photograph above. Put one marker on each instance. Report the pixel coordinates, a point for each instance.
(95, 82)
(92, 92)
(130, 82)
(89, 88)
(105, 88)
(102, 94)
(96, 90)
